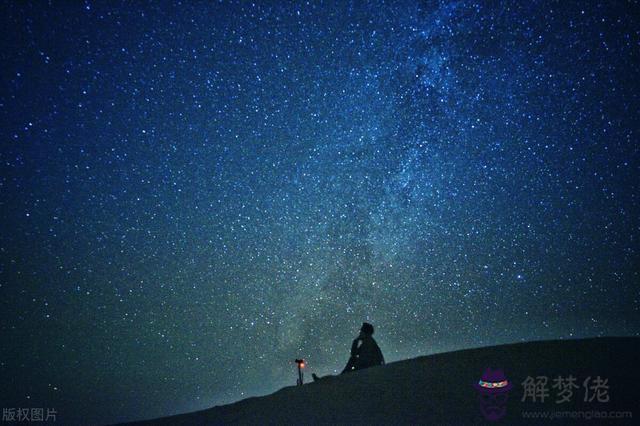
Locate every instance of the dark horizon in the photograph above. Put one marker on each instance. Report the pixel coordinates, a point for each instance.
(196, 194)
(407, 391)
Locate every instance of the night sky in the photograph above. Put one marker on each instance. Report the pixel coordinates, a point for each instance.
(193, 194)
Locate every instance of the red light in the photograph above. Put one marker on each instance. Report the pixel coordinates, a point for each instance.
(302, 365)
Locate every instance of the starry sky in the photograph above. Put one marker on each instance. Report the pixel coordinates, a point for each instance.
(193, 194)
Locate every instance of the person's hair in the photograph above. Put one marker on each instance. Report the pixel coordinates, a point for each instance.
(367, 328)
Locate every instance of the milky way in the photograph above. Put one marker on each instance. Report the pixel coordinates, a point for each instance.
(194, 194)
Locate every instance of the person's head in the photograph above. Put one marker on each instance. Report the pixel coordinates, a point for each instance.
(366, 329)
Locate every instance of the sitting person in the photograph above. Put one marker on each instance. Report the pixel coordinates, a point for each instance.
(365, 352)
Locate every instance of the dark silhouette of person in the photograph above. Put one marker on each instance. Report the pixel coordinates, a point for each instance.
(365, 352)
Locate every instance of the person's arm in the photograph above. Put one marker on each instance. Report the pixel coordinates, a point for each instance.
(354, 347)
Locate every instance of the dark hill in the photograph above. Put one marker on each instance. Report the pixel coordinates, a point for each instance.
(438, 389)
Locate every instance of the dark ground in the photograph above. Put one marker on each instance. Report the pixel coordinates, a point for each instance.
(437, 389)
